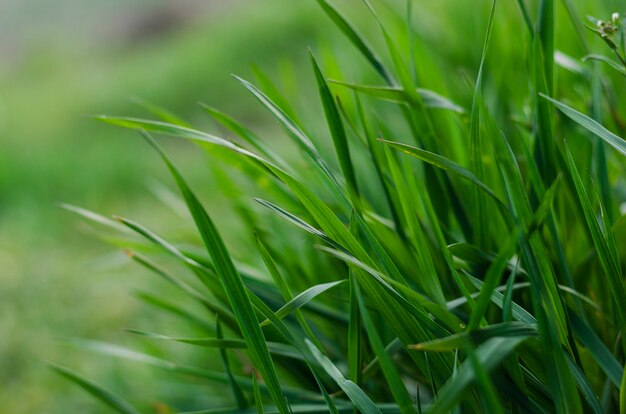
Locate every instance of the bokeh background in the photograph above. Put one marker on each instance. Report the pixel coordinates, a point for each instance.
(61, 60)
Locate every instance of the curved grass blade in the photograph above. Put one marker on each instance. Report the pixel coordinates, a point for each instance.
(233, 285)
(592, 126)
(302, 299)
(110, 399)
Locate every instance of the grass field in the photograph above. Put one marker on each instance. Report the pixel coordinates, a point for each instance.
(415, 248)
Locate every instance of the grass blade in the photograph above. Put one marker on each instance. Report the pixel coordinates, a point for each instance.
(112, 400)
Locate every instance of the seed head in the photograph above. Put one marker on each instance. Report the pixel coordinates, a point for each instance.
(615, 18)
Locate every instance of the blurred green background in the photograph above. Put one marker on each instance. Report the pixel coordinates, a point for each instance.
(60, 60)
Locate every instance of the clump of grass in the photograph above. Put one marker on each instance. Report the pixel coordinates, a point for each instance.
(451, 262)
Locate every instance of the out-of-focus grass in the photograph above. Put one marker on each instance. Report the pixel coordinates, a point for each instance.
(51, 285)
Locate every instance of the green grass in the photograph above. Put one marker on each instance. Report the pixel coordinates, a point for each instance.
(426, 239)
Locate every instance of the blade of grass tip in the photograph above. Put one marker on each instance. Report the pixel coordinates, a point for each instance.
(240, 397)
(589, 124)
(110, 399)
(302, 299)
(283, 288)
(337, 130)
(476, 147)
(358, 397)
(95, 217)
(257, 393)
(296, 133)
(357, 40)
(396, 385)
(233, 285)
